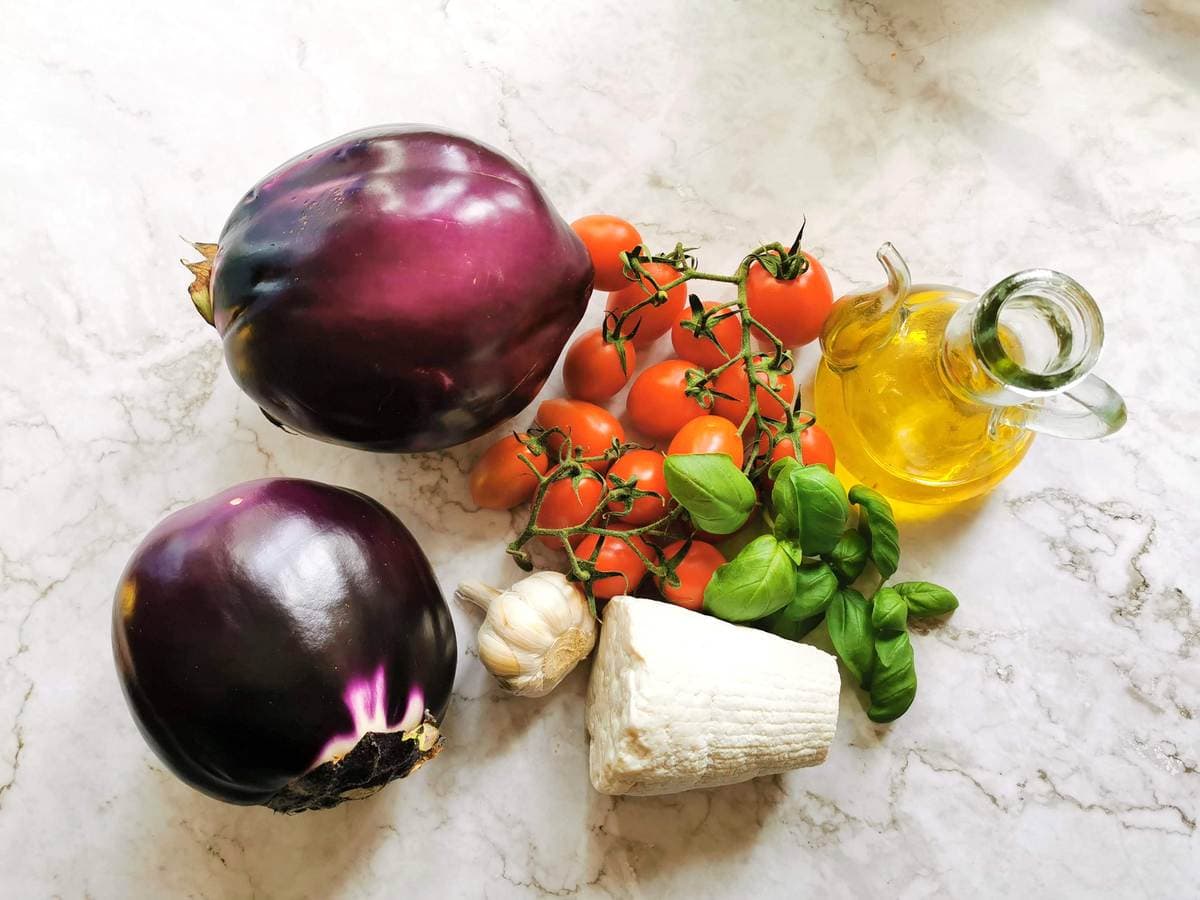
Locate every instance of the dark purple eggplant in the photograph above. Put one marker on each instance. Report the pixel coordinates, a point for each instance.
(398, 288)
(285, 643)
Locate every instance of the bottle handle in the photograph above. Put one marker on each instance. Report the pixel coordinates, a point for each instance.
(1087, 409)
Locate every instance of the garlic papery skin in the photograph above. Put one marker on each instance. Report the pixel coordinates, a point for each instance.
(535, 633)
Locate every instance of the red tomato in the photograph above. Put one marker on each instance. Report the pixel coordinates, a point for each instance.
(702, 351)
(652, 322)
(562, 507)
(793, 310)
(592, 369)
(499, 480)
(815, 448)
(647, 467)
(733, 381)
(658, 403)
(605, 237)
(616, 555)
(709, 434)
(589, 426)
(695, 571)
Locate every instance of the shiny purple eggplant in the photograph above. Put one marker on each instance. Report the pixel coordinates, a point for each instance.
(285, 643)
(398, 289)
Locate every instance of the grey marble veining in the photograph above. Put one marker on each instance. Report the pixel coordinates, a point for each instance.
(1054, 749)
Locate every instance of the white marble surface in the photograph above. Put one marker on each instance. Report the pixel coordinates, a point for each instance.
(1054, 750)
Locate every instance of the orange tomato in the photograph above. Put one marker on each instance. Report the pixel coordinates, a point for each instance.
(616, 555)
(709, 434)
(593, 370)
(605, 237)
(590, 427)
(702, 351)
(792, 309)
(695, 571)
(564, 507)
(658, 401)
(500, 480)
(647, 467)
(733, 381)
(652, 322)
(815, 448)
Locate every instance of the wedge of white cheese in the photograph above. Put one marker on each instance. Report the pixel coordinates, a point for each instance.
(679, 700)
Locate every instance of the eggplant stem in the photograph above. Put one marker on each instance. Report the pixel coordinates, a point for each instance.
(200, 289)
(478, 593)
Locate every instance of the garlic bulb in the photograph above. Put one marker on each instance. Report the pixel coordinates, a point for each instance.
(535, 632)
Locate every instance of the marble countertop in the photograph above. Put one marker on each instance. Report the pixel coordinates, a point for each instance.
(1054, 749)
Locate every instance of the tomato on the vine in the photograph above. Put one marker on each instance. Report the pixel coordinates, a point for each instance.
(701, 350)
(659, 404)
(695, 571)
(605, 237)
(792, 309)
(815, 448)
(647, 467)
(593, 370)
(736, 385)
(651, 322)
(616, 555)
(566, 506)
(500, 480)
(590, 427)
(709, 434)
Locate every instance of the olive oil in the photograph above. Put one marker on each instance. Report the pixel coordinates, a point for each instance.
(916, 433)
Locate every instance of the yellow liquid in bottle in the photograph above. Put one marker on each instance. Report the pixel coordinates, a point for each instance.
(898, 428)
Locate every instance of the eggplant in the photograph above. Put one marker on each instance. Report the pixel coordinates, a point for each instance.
(400, 288)
(285, 643)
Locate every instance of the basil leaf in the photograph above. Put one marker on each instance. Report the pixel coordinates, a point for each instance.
(715, 492)
(879, 527)
(793, 549)
(849, 619)
(925, 599)
(785, 505)
(894, 683)
(849, 556)
(889, 612)
(779, 624)
(755, 583)
(823, 509)
(780, 466)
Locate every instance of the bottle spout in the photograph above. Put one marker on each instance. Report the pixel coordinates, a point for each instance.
(860, 323)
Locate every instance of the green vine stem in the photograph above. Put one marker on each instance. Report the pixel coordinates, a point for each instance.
(761, 366)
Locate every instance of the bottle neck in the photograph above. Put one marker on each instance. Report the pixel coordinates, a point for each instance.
(1030, 335)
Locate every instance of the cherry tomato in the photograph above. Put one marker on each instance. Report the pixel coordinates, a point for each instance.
(562, 507)
(695, 571)
(593, 371)
(658, 403)
(589, 426)
(815, 448)
(605, 237)
(647, 467)
(702, 351)
(709, 434)
(616, 555)
(499, 480)
(733, 381)
(793, 310)
(652, 322)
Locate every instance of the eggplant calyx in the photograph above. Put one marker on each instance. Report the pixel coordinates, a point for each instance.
(200, 288)
(378, 758)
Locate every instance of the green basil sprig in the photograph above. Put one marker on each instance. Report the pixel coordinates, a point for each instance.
(894, 680)
(755, 583)
(715, 492)
(810, 505)
(889, 612)
(878, 525)
(815, 587)
(848, 557)
(850, 630)
(925, 599)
